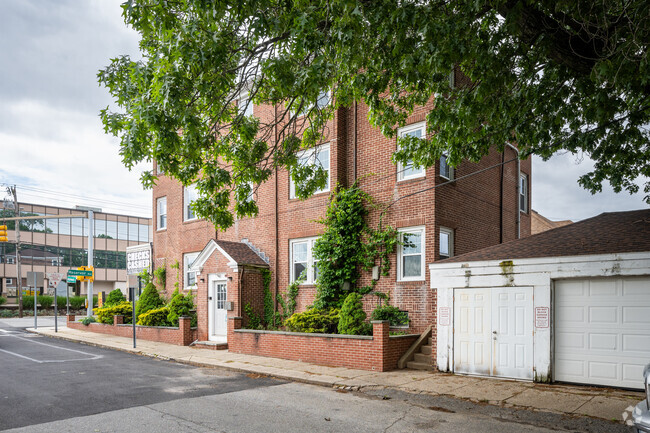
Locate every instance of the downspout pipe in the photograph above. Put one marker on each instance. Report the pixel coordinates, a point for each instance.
(518, 183)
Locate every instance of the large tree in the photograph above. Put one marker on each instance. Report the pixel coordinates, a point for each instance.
(555, 75)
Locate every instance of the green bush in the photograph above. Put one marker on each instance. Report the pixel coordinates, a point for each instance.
(180, 305)
(8, 313)
(45, 301)
(115, 297)
(105, 315)
(254, 320)
(28, 302)
(88, 320)
(314, 320)
(392, 314)
(3, 300)
(77, 302)
(155, 317)
(149, 300)
(61, 301)
(352, 317)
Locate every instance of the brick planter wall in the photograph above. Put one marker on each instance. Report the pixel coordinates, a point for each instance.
(184, 335)
(379, 352)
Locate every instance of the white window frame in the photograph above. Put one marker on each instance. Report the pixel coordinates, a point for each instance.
(11, 260)
(244, 105)
(400, 253)
(450, 242)
(188, 259)
(8, 281)
(523, 192)
(186, 202)
(160, 214)
(443, 165)
(313, 153)
(55, 262)
(311, 263)
(402, 167)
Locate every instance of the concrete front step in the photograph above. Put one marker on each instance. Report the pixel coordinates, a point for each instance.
(423, 358)
(209, 345)
(414, 365)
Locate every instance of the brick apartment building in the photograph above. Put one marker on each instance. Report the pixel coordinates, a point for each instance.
(456, 218)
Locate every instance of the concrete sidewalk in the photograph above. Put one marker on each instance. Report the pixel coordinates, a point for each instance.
(605, 403)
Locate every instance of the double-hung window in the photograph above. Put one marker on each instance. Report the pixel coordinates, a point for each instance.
(523, 193)
(446, 170)
(11, 260)
(245, 105)
(189, 278)
(410, 256)
(302, 260)
(318, 156)
(9, 281)
(189, 195)
(161, 209)
(408, 170)
(446, 243)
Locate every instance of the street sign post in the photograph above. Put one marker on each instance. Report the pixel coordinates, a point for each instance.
(37, 280)
(72, 279)
(81, 272)
(54, 279)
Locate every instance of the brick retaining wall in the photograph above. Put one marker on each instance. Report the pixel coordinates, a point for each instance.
(379, 352)
(184, 335)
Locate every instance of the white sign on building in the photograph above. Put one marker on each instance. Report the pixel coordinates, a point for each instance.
(138, 258)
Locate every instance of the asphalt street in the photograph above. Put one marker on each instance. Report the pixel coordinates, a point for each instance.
(49, 385)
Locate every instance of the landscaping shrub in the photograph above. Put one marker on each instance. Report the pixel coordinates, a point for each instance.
(8, 313)
(154, 317)
(45, 301)
(88, 320)
(28, 302)
(392, 314)
(314, 320)
(3, 300)
(149, 299)
(254, 320)
(352, 317)
(77, 302)
(115, 297)
(105, 315)
(180, 305)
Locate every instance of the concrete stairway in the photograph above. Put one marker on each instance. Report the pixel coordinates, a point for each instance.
(209, 345)
(422, 359)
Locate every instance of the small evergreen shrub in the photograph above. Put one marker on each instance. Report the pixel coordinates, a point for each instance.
(45, 301)
(105, 315)
(115, 297)
(3, 300)
(87, 320)
(154, 317)
(352, 317)
(314, 320)
(180, 305)
(149, 300)
(392, 314)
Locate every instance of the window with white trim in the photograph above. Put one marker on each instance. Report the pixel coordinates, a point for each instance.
(408, 170)
(161, 209)
(9, 282)
(446, 243)
(11, 260)
(319, 155)
(189, 278)
(446, 170)
(302, 260)
(189, 195)
(523, 193)
(410, 255)
(245, 105)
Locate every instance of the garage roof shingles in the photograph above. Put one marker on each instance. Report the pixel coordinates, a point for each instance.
(607, 233)
(242, 254)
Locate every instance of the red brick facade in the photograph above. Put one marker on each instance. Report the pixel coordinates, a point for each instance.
(481, 210)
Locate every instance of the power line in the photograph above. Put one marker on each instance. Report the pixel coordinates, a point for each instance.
(63, 194)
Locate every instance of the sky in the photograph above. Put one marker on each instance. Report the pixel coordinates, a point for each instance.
(53, 147)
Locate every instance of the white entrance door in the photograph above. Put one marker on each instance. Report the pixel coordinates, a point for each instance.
(218, 316)
(602, 330)
(493, 331)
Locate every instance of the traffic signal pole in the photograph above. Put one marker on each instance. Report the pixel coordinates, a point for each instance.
(19, 279)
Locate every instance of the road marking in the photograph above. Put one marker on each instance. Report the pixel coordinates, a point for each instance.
(90, 356)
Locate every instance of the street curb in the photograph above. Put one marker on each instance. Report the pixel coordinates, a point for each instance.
(198, 364)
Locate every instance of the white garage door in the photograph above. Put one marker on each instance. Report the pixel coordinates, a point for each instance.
(602, 331)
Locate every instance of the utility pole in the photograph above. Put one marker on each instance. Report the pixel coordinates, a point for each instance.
(91, 239)
(19, 284)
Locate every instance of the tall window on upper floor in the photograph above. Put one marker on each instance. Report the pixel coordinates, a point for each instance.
(523, 193)
(189, 279)
(161, 209)
(245, 105)
(446, 170)
(319, 156)
(446, 243)
(189, 195)
(302, 260)
(408, 170)
(410, 255)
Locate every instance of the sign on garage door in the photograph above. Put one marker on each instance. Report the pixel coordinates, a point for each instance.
(602, 330)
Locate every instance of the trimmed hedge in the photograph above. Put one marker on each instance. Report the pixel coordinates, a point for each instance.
(352, 317)
(154, 317)
(314, 320)
(45, 301)
(392, 314)
(105, 315)
(180, 305)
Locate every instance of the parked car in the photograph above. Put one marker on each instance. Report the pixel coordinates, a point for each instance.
(641, 414)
